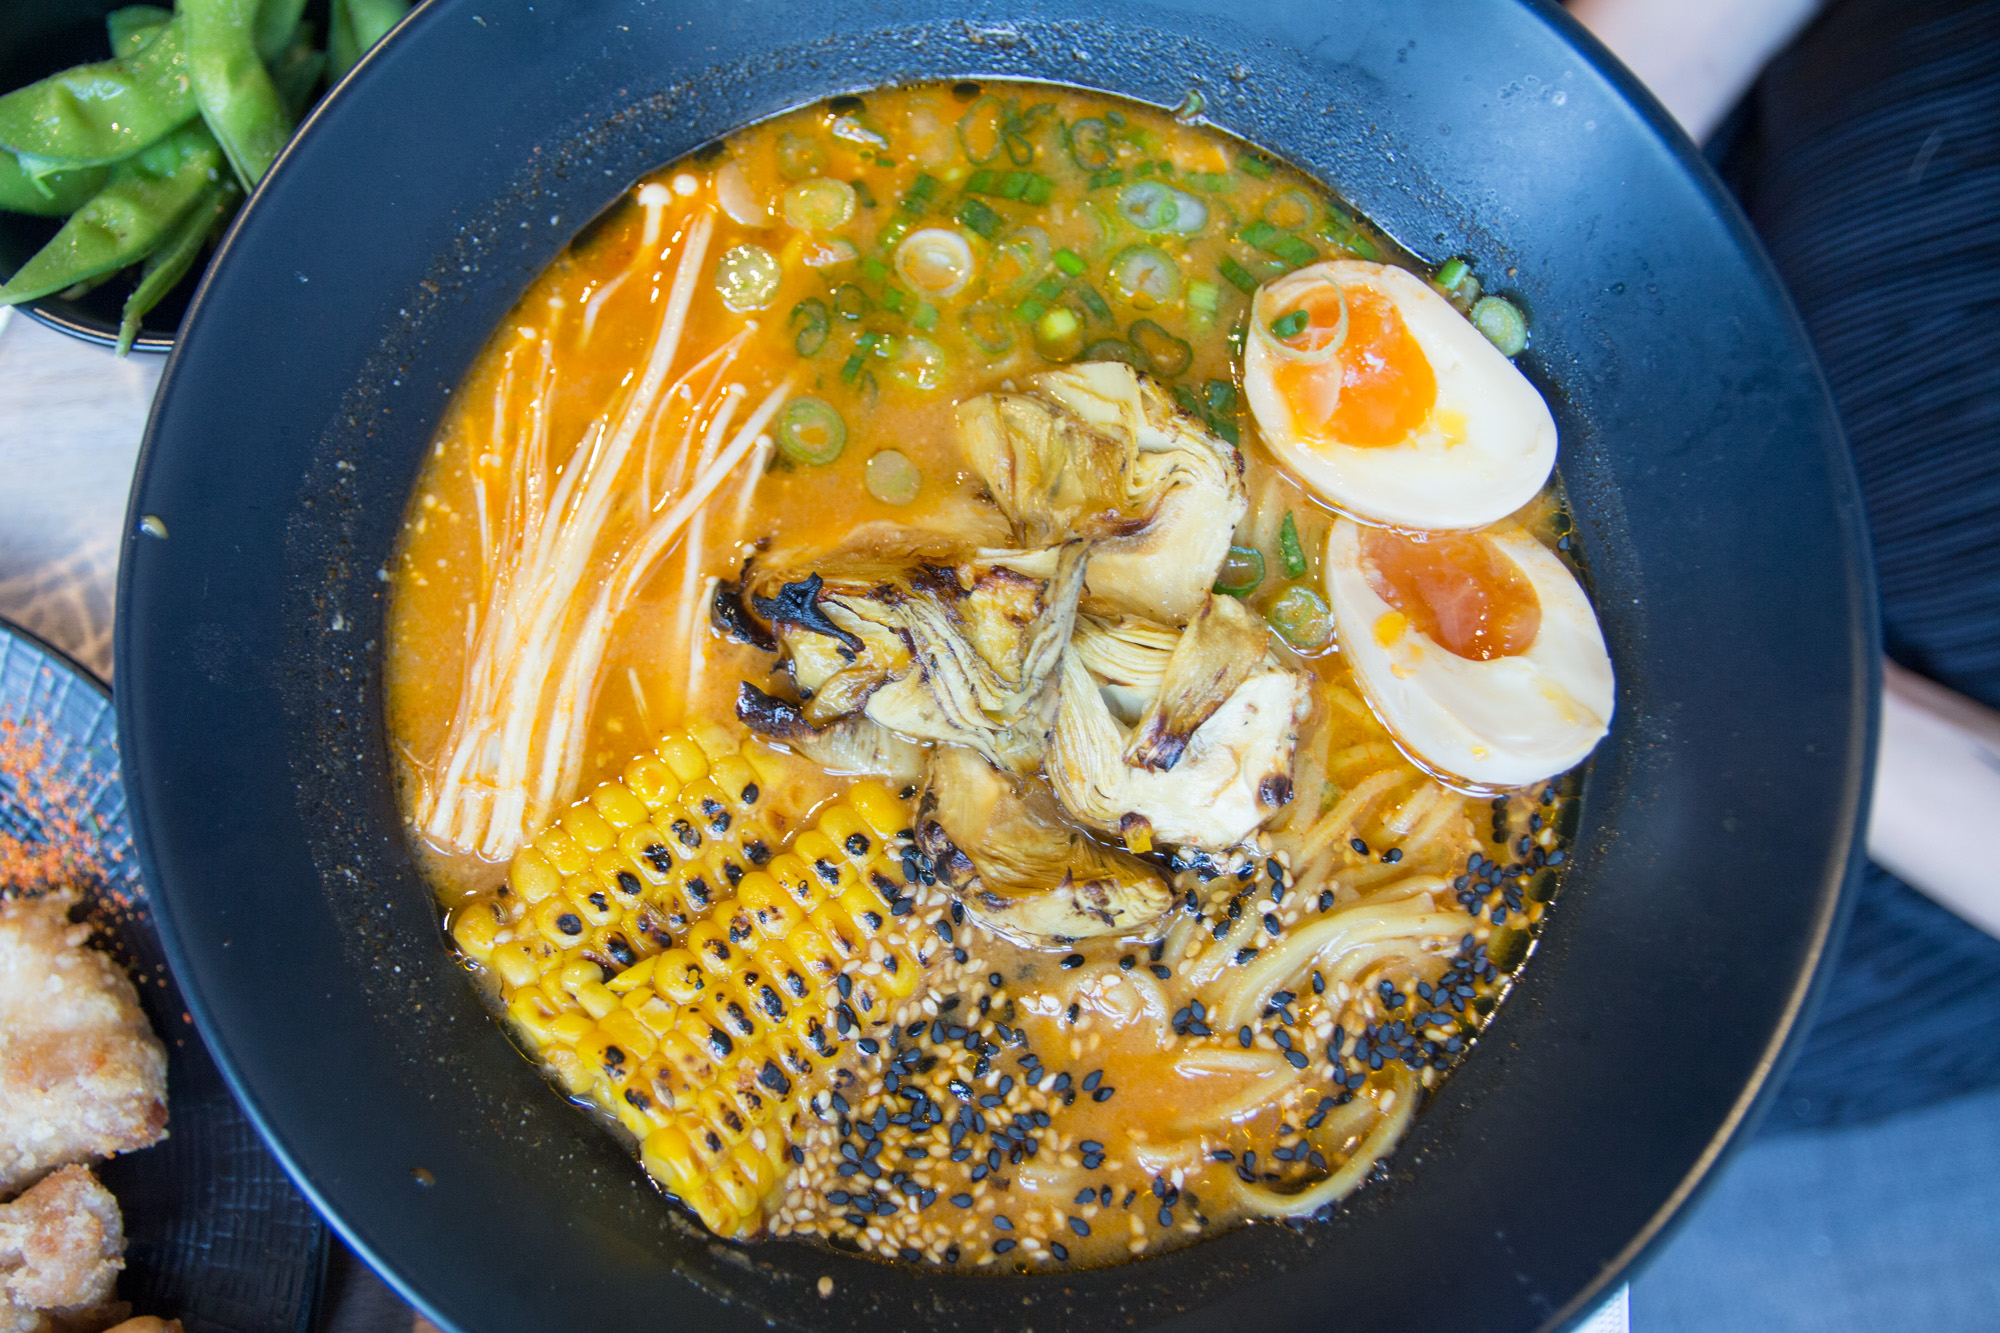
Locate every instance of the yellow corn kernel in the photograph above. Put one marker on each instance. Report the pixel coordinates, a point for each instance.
(654, 1014)
(604, 1057)
(737, 780)
(830, 920)
(768, 904)
(880, 810)
(678, 975)
(899, 974)
(864, 907)
(620, 808)
(532, 876)
(596, 1000)
(593, 903)
(582, 822)
(533, 1015)
(644, 851)
(826, 859)
(558, 922)
(768, 1004)
(844, 829)
(635, 976)
(695, 1066)
(708, 941)
(516, 964)
(797, 879)
(817, 1035)
(570, 1028)
(624, 1027)
(563, 852)
(683, 756)
(716, 1108)
(570, 1069)
(475, 926)
(651, 781)
(704, 1036)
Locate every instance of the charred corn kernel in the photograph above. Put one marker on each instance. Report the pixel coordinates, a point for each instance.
(684, 757)
(623, 1026)
(532, 876)
(678, 975)
(620, 808)
(476, 927)
(674, 953)
(582, 822)
(635, 976)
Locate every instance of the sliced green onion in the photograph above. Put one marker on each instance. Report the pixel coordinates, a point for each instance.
(1059, 334)
(1115, 349)
(986, 325)
(1221, 396)
(1291, 554)
(809, 318)
(1145, 276)
(863, 193)
(850, 302)
(926, 317)
(892, 478)
(834, 250)
(1040, 190)
(1090, 144)
(1099, 308)
(888, 238)
(1451, 273)
(1014, 184)
(1152, 206)
(979, 130)
(1188, 402)
(1104, 180)
(819, 204)
(917, 363)
(1070, 262)
(1294, 252)
(1031, 310)
(800, 156)
(983, 181)
(1203, 298)
(1254, 167)
(1169, 355)
(1049, 288)
(810, 431)
(893, 299)
(937, 261)
(851, 128)
(1301, 618)
(1258, 233)
(875, 270)
(1241, 278)
(1242, 570)
(1289, 209)
(747, 277)
(1215, 182)
(1289, 326)
(980, 218)
(1502, 323)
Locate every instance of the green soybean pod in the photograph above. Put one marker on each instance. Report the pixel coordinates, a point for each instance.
(176, 254)
(277, 23)
(231, 85)
(372, 20)
(97, 114)
(55, 195)
(127, 219)
(133, 26)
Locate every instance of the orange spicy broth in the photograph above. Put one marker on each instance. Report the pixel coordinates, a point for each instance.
(854, 333)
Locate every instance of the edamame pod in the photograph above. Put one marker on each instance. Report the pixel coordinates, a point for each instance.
(231, 86)
(175, 255)
(133, 26)
(55, 195)
(123, 222)
(96, 114)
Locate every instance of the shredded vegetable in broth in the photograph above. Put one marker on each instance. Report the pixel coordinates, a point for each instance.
(886, 687)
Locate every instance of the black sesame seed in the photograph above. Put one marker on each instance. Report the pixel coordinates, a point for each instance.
(1003, 1245)
(1001, 1221)
(1059, 1250)
(1102, 1094)
(961, 1200)
(1078, 1225)
(1161, 970)
(1072, 960)
(1359, 846)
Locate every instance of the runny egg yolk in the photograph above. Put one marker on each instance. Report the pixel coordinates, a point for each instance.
(1386, 385)
(1457, 588)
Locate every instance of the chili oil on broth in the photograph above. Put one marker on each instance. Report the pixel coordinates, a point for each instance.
(1078, 1104)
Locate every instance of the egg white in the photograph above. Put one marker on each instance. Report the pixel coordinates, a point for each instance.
(1485, 449)
(1503, 723)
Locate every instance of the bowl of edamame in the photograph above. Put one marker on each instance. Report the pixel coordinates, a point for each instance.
(131, 134)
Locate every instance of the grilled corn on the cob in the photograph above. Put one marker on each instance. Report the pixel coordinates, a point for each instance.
(673, 960)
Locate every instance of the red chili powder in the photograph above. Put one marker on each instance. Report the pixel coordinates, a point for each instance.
(42, 843)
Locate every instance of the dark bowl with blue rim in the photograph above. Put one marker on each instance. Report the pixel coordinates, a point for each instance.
(1713, 499)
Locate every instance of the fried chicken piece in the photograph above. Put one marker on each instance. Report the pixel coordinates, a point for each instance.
(61, 1246)
(82, 1076)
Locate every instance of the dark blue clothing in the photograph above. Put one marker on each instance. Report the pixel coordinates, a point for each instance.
(1868, 157)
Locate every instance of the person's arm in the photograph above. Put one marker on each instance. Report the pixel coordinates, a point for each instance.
(1937, 789)
(1697, 56)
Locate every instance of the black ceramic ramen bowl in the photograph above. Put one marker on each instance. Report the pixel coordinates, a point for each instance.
(1711, 488)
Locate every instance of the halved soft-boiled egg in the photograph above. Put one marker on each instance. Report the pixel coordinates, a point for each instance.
(1477, 650)
(1388, 403)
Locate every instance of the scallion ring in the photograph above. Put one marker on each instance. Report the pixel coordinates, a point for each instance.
(810, 431)
(1289, 209)
(809, 318)
(819, 204)
(892, 478)
(917, 362)
(1301, 618)
(986, 325)
(1242, 570)
(1145, 276)
(937, 261)
(1167, 355)
(747, 277)
(1502, 323)
(1292, 318)
(1090, 144)
(979, 130)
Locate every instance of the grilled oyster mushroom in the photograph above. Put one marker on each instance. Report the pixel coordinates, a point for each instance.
(1098, 450)
(856, 746)
(1209, 758)
(931, 644)
(1001, 842)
